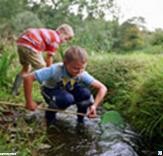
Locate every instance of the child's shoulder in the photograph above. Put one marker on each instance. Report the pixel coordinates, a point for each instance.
(57, 66)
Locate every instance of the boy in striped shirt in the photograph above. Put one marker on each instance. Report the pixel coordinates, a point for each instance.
(31, 45)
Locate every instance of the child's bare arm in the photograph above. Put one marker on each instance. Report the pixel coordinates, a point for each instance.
(101, 92)
(49, 60)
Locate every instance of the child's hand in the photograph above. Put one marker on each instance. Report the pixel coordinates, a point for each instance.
(92, 111)
(31, 106)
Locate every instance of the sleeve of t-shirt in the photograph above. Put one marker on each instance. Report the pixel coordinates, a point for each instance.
(45, 73)
(52, 48)
(86, 78)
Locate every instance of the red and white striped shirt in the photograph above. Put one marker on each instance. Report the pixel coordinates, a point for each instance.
(40, 40)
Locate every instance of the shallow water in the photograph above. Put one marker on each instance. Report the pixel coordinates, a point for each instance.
(67, 138)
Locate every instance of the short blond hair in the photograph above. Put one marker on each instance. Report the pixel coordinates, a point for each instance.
(66, 29)
(76, 53)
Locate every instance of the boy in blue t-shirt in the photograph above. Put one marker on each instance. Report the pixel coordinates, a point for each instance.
(65, 84)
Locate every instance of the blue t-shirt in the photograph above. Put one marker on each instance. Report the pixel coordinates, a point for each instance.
(57, 74)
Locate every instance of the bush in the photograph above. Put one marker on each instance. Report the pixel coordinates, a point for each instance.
(5, 63)
(148, 103)
(25, 20)
(135, 84)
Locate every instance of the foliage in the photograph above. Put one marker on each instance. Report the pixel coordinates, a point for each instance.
(138, 21)
(93, 33)
(84, 9)
(5, 62)
(157, 49)
(148, 101)
(157, 37)
(94, 8)
(27, 14)
(25, 20)
(134, 81)
(8, 10)
(53, 15)
(130, 37)
(135, 89)
(94, 38)
(22, 138)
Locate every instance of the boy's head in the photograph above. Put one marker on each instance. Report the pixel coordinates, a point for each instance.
(75, 60)
(66, 32)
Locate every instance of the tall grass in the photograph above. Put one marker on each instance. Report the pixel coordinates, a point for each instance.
(135, 83)
(5, 63)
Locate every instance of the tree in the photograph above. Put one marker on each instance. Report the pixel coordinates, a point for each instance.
(8, 10)
(91, 9)
(138, 21)
(130, 37)
(25, 20)
(157, 37)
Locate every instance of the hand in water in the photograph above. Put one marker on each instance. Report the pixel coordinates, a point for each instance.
(92, 112)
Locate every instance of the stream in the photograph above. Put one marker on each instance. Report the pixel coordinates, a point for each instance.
(92, 139)
(67, 138)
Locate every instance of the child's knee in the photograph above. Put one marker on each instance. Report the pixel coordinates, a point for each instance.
(64, 100)
(85, 93)
(82, 94)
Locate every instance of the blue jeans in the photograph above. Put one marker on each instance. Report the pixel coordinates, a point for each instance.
(59, 98)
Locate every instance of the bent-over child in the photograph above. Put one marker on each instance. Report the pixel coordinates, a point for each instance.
(65, 84)
(31, 45)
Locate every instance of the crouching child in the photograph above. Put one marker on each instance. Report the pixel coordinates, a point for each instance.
(65, 84)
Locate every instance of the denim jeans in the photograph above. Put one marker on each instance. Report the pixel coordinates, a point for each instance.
(60, 98)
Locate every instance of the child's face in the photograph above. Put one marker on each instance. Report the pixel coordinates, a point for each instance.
(75, 68)
(65, 37)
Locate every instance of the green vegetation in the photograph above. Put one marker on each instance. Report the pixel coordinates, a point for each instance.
(5, 62)
(126, 57)
(135, 89)
(135, 83)
(22, 138)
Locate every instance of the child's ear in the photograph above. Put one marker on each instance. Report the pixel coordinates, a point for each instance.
(63, 32)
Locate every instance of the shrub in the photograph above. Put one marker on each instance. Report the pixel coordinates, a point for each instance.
(5, 62)
(25, 20)
(135, 84)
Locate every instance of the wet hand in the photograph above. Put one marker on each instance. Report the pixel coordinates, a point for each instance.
(31, 106)
(92, 112)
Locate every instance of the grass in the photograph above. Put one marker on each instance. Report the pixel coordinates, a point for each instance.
(135, 89)
(134, 81)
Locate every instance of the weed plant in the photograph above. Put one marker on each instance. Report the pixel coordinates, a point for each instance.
(135, 84)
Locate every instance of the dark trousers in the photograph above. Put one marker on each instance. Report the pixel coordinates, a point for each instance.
(60, 98)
